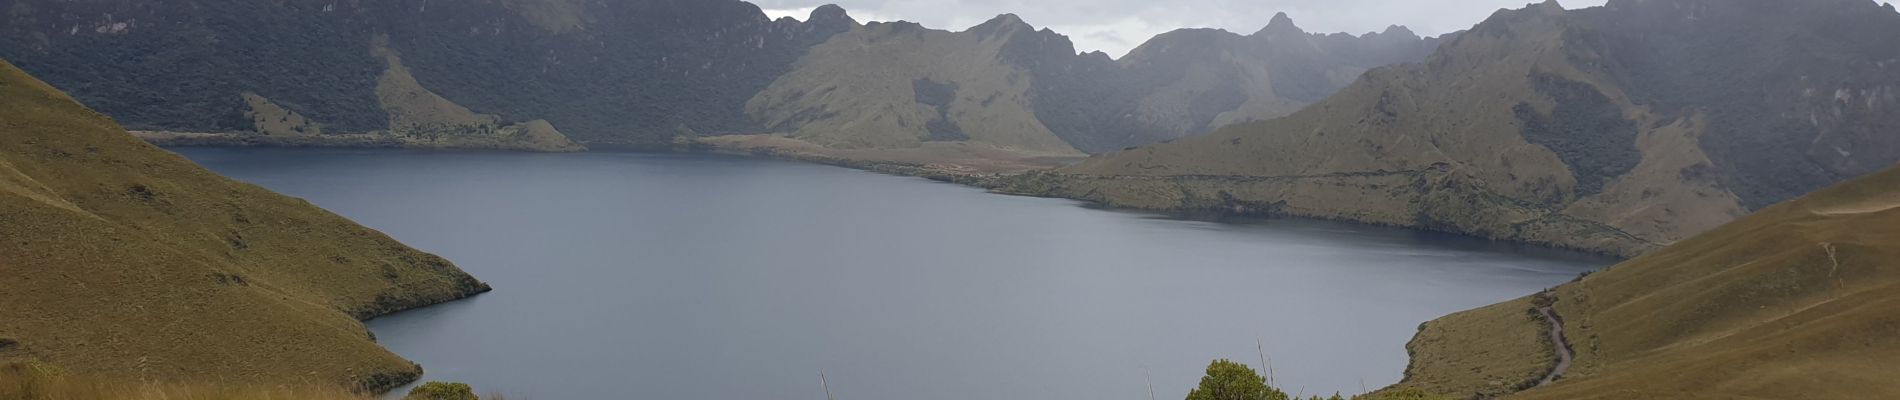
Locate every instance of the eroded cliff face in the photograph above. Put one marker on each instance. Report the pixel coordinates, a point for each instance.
(1551, 126)
(1008, 84)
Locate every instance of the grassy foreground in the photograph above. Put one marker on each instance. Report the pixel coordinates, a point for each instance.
(38, 381)
(1800, 300)
(124, 261)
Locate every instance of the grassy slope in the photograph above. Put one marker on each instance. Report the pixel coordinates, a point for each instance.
(1500, 349)
(119, 259)
(1801, 300)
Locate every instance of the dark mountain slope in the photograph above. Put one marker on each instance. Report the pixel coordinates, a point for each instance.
(617, 71)
(602, 71)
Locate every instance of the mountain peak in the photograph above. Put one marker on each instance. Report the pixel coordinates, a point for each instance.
(1002, 24)
(1548, 6)
(828, 12)
(829, 18)
(1280, 19)
(1399, 30)
(1281, 25)
(1007, 20)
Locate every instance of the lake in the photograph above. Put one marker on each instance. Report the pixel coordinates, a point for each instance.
(663, 276)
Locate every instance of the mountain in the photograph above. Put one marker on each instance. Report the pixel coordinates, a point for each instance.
(1616, 129)
(1799, 300)
(1006, 83)
(900, 84)
(549, 75)
(126, 261)
(523, 74)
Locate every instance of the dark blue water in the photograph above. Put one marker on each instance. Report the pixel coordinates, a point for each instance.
(645, 276)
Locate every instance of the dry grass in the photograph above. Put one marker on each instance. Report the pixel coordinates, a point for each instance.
(1485, 352)
(1801, 300)
(124, 261)
(40, 382)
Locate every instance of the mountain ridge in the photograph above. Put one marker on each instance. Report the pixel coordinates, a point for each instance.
(645, 73)
(1177, 84)
(1537, 126)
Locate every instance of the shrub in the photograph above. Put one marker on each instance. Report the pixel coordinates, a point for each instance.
(442, 391)
(1228, 380)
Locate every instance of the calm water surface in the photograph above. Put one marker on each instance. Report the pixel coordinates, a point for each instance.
(648, 276)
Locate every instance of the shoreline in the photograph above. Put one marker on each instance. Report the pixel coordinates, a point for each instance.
(378, 140)
(1010, 174)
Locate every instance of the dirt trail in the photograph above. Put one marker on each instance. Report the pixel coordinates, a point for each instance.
(1557, 341)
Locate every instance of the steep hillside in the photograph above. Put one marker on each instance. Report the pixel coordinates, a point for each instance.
(897, 85)
(1616, 129)
(599, 71)
(1006, 83)
(121, 260)
(1800, 300)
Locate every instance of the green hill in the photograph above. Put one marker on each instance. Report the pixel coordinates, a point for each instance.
(1616, 129)
(1800, 300)
(125, 261)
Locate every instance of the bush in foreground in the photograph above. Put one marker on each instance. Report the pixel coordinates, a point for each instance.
(442, 391)
(1228, 380)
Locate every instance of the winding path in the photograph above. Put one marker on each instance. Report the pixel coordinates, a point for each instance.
(1557, 342)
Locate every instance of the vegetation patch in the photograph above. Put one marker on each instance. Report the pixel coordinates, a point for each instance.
(939, 95)
(1585, 129)
(442, 391)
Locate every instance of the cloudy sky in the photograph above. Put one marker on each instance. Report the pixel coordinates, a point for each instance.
(1115, 26)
